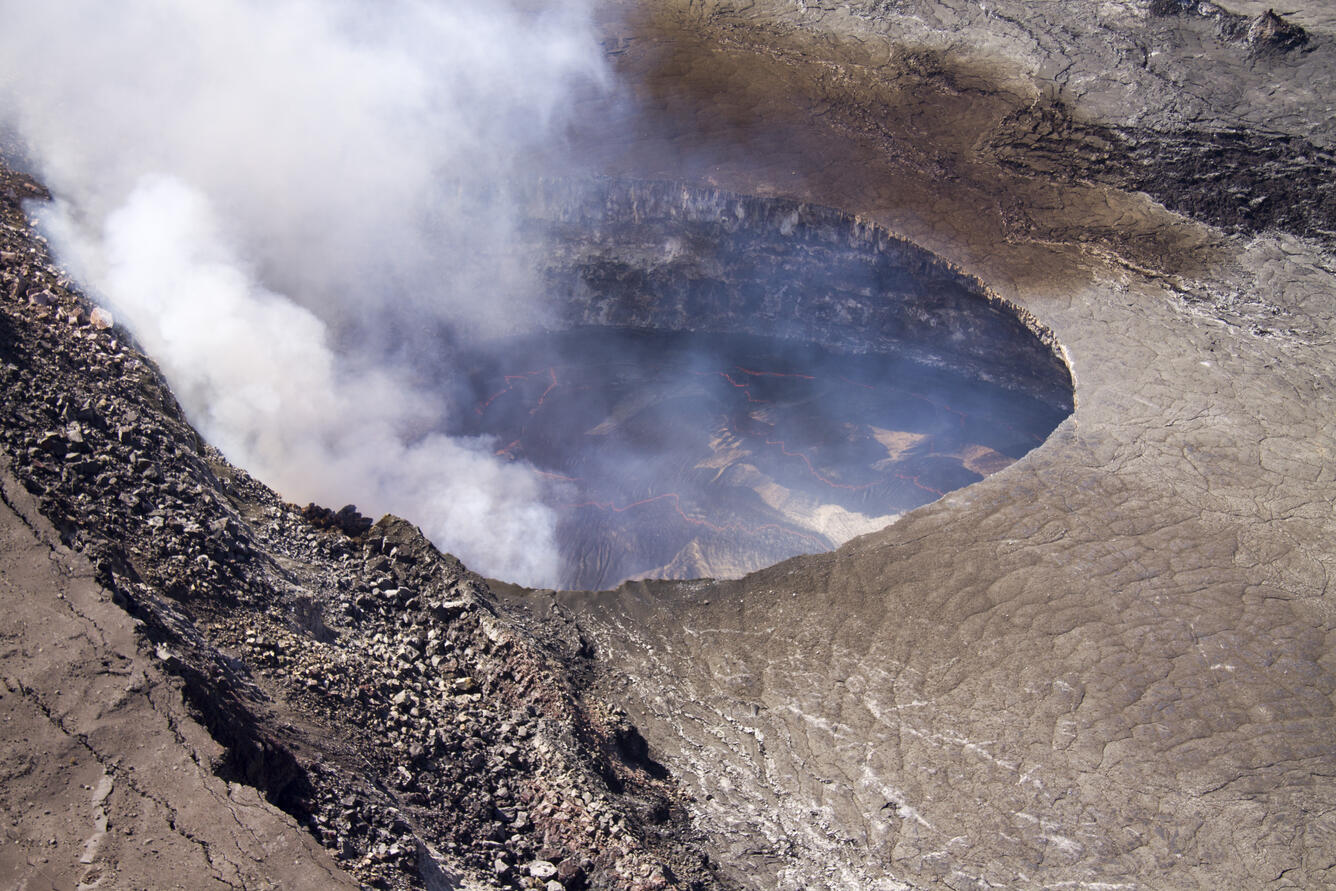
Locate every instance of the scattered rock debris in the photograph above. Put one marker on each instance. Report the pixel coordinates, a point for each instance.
(363, 681)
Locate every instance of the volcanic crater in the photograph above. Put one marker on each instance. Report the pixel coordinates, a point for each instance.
(1109, 667)
(736, 380)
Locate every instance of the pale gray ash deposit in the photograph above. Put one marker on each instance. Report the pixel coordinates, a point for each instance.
(261, 256)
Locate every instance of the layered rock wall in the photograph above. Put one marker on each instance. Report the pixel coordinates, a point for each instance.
(670, 256)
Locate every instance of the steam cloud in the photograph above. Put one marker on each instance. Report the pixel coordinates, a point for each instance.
(292, 203)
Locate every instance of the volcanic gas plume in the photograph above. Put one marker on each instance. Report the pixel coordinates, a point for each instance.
(268, 193)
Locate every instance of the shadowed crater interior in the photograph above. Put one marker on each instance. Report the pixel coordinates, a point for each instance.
(736, 380)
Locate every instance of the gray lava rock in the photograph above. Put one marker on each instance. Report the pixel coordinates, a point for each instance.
(542, 869)
(1269, 34)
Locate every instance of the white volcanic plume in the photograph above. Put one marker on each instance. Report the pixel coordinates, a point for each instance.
(289, 202)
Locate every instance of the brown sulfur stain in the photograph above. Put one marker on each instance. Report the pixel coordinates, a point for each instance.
(923, 144)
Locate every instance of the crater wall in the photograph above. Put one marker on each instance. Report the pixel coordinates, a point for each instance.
(675, 257)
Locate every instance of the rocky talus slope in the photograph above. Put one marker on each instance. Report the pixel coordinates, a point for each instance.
(365, 684)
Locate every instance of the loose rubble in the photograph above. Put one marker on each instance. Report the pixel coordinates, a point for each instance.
(366, 683)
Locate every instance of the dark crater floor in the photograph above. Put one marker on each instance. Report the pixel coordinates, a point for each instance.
(737, 380)
(679, 454)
